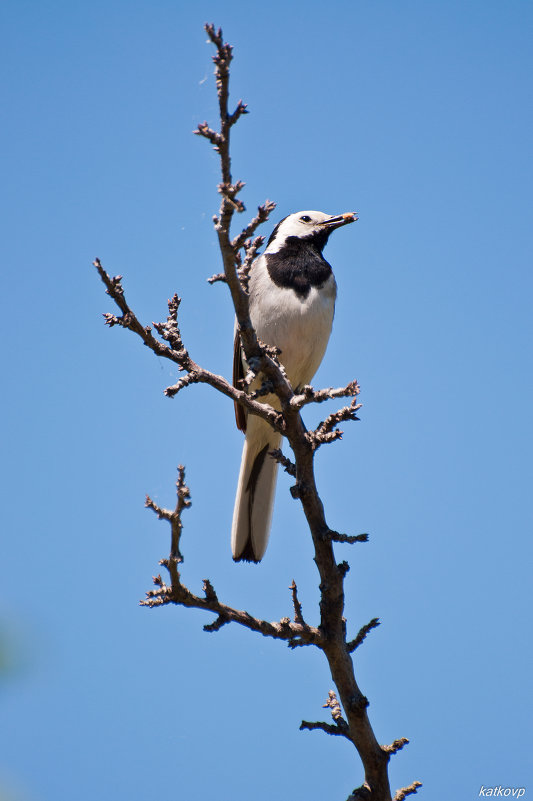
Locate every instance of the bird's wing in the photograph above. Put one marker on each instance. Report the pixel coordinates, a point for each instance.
(238, 375)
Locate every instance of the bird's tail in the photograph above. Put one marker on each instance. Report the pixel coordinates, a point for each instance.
(254, 501)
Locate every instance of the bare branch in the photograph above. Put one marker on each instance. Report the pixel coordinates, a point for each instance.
(263, 213)
(176, 352)
(187, 380)
(405, 791)
(297, 633)
(217, 277)
(298, 618)
(336, 711)
(327, 727)
(287, 465)
(396, 746)
(349, 538)
(362, 634)
(183, 501)
(228, 189)
(217, 624)
(250, 249)
(209, 591)
(240, 109)
(128, 319)
(222, 59)
(327, 430)
(204, 130)
(340, 726)
(180, 595)
(310, 395)
(170, 331)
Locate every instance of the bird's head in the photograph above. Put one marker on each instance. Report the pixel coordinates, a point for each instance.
(312, 226)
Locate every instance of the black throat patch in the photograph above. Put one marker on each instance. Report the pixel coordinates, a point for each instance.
(299, 264)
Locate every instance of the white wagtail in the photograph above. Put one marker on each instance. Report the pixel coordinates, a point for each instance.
(292, 301)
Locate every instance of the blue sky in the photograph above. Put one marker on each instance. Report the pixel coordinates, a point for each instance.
(417, 115)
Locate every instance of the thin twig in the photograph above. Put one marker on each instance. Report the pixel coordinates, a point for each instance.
(286, 463)
(405, 791)
(327, 430)
(217, 277)
(263, 213)
(327, 727)
(362, 634)
(174, 517)
(250, 250)
(340, 726)
(298, 618)
(349, 538)
(336, 711)
(309, 395)
(396, 746)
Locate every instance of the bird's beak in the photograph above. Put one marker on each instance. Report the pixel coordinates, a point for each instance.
(340, 219)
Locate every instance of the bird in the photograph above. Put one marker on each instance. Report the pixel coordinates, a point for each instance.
(292, 293)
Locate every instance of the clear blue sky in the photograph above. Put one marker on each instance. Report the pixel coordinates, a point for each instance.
(418, 116)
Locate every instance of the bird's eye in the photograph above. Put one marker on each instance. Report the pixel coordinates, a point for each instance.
(305, 218)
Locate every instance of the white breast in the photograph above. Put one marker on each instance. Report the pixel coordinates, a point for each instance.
(300, 327)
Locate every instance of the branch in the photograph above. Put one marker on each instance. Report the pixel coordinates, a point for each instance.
(217, 277)
(405, 791)
(128, 319)
(310, 395)
(174, 517)
(349, 538)
(327, 430)
(229, 248)
(297, 633)
(336, 712)
(176, 352)
(263, 213)
(396, 746)
(243, 267)
(287, 465)
(327, 727)
(340, 726)
(361, 636)
(250, 250)
(298, 618)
